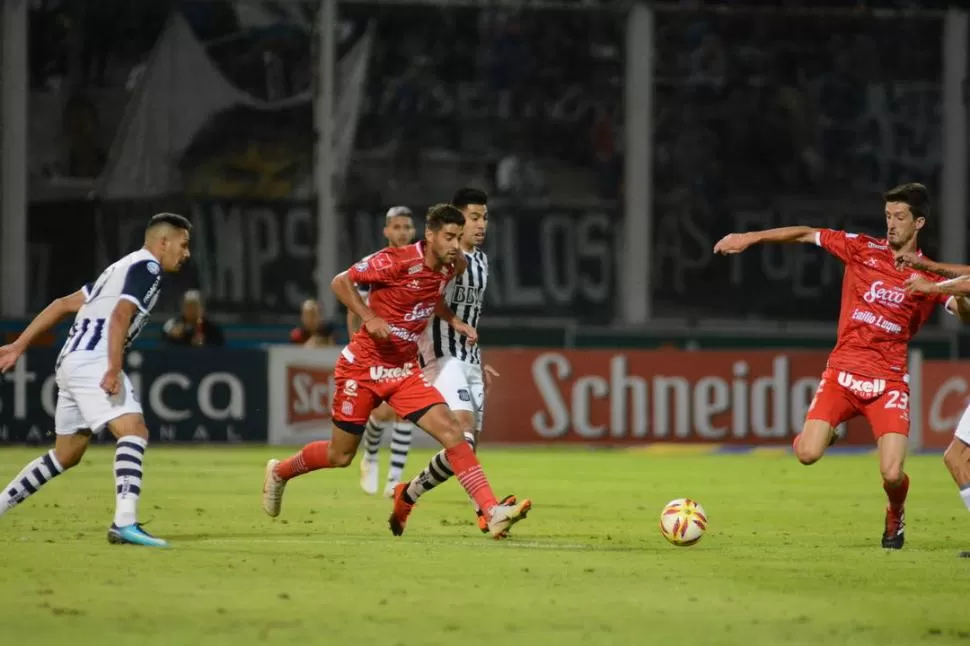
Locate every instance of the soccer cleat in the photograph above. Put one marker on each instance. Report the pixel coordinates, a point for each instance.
(504, 516)
(273, 487)
(894, 535)
(401, 511)
(964, 555)
(483, 522)
(133, 535)
(368, 476)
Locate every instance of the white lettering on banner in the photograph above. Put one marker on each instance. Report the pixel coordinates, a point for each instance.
(954, 386)
(766, 407)
(383, 373)
(235, 265)
(574, 261)
(234, 408)
(310, 396)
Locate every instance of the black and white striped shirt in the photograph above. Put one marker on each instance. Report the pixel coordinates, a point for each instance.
(464, 295)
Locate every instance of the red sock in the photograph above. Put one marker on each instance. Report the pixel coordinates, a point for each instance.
(311, 457)
(897, 493)
(469, 472)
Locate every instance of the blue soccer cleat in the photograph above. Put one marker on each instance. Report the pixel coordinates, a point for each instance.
(133, 535)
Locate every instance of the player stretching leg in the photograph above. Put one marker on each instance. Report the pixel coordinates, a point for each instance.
(380, 364)
(866, 373)
(399, 232)
(92, 390)
(448, 359)
(957, 455)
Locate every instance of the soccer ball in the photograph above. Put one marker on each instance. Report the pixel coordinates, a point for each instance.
(683, 522)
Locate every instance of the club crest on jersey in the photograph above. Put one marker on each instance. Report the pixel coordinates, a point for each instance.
(880, 293)
(380, 261)
(350, 388)
(872, 262)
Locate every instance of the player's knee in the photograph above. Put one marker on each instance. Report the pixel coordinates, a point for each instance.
(451, 434)
(892, 472)
(129, 426)
(339, 459)
(807, 453)
(69, 457)
(951, 459)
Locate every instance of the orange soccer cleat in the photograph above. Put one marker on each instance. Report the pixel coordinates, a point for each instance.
(402, 509)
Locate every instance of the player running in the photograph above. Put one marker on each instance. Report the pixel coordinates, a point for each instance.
(380, 364)
(92, 390)
(452, 361)
(399, 232)
(866, 373)
(957, 455)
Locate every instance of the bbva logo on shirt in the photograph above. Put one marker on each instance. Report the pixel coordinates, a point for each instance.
(879, 293)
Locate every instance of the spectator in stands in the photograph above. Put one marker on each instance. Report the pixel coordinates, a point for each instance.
(313, 330)
(191, 327)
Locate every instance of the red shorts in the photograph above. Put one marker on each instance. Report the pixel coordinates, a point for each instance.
(359, 389)
(842, 396)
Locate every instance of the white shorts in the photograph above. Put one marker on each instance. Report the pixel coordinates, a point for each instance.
(81, 404)
(461, 385)
(963, 427)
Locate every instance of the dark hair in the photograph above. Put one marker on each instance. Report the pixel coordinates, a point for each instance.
(468, 195)
(171, 219)
(441, 214)
(915, 195)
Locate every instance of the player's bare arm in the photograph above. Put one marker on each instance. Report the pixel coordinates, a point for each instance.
(121, 317)
(959, 286)
(48, 318)
(347, 294)
(353, 323)
(444, 312)
(947, 270)
(737, 242)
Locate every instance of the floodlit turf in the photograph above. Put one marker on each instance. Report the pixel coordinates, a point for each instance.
(792, 556)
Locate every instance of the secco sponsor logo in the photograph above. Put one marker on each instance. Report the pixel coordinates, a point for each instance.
(880, 293)
(420, 312)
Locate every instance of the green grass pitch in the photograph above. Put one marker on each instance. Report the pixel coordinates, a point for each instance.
(792, 556)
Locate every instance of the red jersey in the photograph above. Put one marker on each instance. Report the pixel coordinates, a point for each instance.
(404, 292)
(878, 317)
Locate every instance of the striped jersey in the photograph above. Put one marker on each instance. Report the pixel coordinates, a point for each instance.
(137, 278)
(464, 295)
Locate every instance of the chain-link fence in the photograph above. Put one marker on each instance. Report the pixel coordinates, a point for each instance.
(760, 118)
